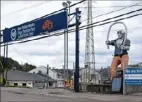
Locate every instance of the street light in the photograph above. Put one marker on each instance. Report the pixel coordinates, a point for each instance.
(66, 5)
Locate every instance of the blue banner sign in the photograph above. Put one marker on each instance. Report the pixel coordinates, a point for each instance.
(29, 29)
(133, 76)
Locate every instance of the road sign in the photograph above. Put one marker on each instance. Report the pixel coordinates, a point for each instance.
(133, 76)
(33, 28)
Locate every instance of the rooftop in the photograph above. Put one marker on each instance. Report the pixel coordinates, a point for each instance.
(15, 75)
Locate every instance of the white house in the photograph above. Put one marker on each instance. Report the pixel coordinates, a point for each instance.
(51, 73)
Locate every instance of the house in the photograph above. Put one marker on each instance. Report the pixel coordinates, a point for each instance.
(24, 79)
(58, 77)
(95, 76)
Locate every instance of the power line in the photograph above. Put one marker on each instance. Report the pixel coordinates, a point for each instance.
(21, 54)
(109, 6)
(58, 10)
(83, 27)
(72, 30)
(61, 9)
(26, 8)
(113, 11)
(118, 29)
(115, 16)
(112, 21)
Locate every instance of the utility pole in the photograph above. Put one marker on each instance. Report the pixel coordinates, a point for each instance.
(101, 75)
(47, 75)
(64, 75)
(0, 41)
(89, 47)
(6, 63)
(66, 5)
(1, 64)
(73, 73)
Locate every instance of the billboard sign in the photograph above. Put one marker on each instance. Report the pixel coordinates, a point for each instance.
(33, 28)
(133, 76)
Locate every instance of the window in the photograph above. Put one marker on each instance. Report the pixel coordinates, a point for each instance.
(93, 76)
(15, 84)
(24, 84)
(99, 81)
(58, 76)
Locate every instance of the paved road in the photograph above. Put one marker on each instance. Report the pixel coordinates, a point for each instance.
(59, 95)
(18, 97)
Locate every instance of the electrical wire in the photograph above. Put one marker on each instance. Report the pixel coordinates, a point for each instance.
(118, 29)
(109, 6)
(73, 30)
(112, 21)
(113, 11)
(26, 8)
(21, 54)
(61, 9)
(58, 11)
(115, 17)
(56, 34)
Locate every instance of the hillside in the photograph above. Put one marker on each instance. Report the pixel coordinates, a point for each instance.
(12, 63)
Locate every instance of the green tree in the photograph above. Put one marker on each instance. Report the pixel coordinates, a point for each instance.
(9, 63)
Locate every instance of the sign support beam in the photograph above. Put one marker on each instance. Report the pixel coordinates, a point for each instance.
(76, 74)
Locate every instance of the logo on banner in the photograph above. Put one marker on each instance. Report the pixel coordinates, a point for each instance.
(13, 34)
(47, 25)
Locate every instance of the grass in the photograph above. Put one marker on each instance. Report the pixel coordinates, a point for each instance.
(1, 80)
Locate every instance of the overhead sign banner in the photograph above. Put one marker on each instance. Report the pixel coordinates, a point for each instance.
(133, 76)
(29, 29)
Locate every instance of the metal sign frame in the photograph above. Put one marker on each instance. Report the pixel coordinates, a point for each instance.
(37, 27)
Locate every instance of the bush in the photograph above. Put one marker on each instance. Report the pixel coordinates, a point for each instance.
(1, 80)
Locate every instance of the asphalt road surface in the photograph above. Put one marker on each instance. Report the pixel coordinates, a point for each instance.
(20, 97)
(57, 95)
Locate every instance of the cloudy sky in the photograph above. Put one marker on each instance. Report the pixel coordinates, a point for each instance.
(50, 50)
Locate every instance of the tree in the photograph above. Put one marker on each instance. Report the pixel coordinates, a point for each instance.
(9, 63)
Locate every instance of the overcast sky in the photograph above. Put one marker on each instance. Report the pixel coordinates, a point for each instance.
(50, 50)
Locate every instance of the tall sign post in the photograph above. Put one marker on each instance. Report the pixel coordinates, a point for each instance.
(76, 74)
(46, 25)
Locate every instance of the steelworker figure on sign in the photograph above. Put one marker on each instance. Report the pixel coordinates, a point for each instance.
(120, 53)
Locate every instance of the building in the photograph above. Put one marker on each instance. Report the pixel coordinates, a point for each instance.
(95, 77)
(105, 74)
(58, 77)
(24, 79)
